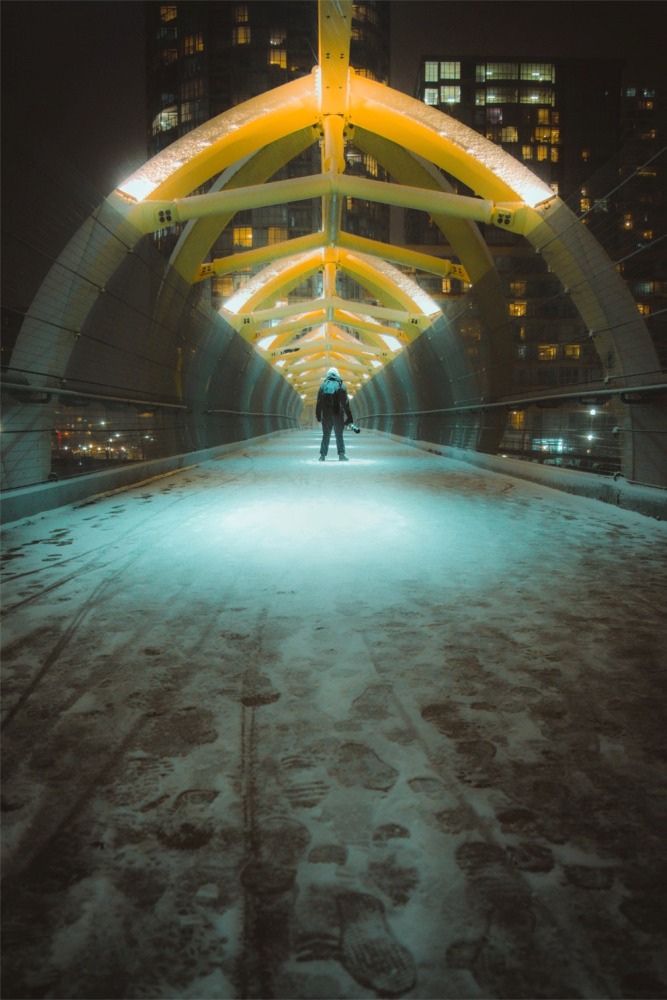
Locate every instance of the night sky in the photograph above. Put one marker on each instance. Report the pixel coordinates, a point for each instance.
(75, 70)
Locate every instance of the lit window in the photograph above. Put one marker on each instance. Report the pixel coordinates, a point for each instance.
(278, 57)
(540, 72)
(628, 221)
(193, 43)
(450, 95)
(644, 309)
(517, 420)
(510, 134)
(450, 70)
(278, 36)
(241, 35)
(517, 308)
(501, 95)
(547, 352)
(168, 12)
(630, 92)
(572, 350)
(554, 153)
(543, 116)
(431, 72)
(585, 155)
(643, 288)
(648, 93)
(518, 288)
(502, 71)
(446, 286)
(647, 234)
(584, 205)
(645, 105)
(537, 95)
(371, 165)
(494, 115)
(223, 286)
(431, 96)
(276, 234)
(242, 236)
(240, 13)
(168, 118)
(480, 97)
(526, 152)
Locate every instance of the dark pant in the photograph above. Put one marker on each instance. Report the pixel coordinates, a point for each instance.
(336, 421)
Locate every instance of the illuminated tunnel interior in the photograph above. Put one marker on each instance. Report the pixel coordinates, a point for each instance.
(281, 728)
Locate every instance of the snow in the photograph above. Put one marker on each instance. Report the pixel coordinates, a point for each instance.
(275, 727)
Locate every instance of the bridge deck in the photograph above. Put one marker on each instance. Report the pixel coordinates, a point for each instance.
(277, 728)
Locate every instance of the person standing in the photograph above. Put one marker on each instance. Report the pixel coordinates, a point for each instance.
(332, 410)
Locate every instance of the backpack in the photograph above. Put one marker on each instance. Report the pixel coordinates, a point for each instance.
(329, 394)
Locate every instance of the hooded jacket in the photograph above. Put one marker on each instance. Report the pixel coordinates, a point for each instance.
(341, 402)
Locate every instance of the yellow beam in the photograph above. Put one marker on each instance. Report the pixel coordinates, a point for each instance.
(334, 33)
(208, 150)
(260, 255)
(400, 255)
(407, 319)
(449, 144)
(149, 216)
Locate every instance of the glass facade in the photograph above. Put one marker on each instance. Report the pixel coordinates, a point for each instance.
(573, 125)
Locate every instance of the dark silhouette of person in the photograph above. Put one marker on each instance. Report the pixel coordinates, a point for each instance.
(333, 412)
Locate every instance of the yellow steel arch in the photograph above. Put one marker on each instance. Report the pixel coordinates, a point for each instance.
(333, 106)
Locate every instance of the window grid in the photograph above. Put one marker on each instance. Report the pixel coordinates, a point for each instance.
(241, 35)
(450, 70)
(450, 95)
(243, 236)
(193, 43)
(278, 57)
(540, 72)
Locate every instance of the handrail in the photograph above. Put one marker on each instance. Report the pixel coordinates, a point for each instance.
(253, 413)
(55, 391)
(518, 403)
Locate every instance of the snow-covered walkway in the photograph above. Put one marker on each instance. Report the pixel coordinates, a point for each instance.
(278, 728)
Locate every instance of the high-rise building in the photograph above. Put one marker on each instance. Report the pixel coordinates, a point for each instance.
(597, 145)
(208, 56)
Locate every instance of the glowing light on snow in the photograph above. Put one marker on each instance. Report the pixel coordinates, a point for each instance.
(137, 187)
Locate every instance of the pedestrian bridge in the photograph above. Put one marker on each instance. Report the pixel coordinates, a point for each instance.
(277, 728)
(111, 324)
